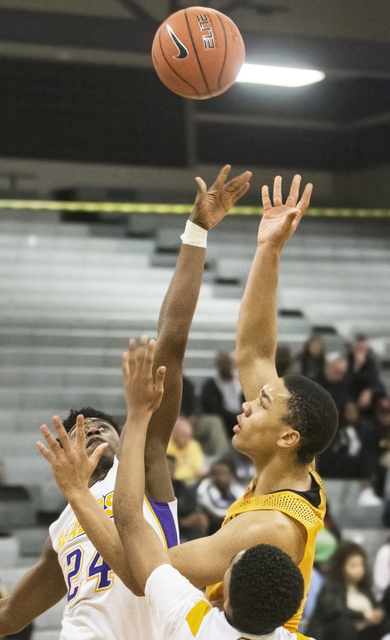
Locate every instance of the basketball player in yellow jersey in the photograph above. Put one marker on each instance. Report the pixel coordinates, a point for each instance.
(262, 585)
(285, 423)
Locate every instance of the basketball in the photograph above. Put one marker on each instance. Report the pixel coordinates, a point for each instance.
(198, 52)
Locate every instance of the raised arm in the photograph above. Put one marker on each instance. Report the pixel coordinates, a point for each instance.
(176, 317)
(256, 331)
(142, 547)
(39, 590)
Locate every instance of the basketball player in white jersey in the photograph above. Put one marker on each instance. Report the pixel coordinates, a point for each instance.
(263, 587)
(76, 559)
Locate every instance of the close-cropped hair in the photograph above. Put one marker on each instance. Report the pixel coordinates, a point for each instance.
(89, 412)
(313, 413)
(266, 590)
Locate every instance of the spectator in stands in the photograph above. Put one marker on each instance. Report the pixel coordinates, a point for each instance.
(216, 493)
(208, 430)
(346, 607)
(352, 453)
(334, 379)
(363, 372)
(222, 395)
(193, 523)
(190, 459)
(312, 359)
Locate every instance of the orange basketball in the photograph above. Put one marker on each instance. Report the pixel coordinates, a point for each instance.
(198, 52)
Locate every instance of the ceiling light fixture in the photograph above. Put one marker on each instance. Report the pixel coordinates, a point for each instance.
(278, 76)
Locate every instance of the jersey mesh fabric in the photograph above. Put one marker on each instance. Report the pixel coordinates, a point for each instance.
(295, 506)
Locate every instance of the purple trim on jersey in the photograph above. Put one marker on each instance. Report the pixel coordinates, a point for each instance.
(164, 515)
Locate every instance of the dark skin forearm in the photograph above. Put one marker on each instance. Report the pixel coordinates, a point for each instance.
(173, 328)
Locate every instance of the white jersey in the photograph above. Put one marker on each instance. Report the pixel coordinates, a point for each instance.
(180, 612)
(99, 606)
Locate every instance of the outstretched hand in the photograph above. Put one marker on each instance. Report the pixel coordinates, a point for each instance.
(143, 392)
(211, 205)
(69, 461)
(280, 220)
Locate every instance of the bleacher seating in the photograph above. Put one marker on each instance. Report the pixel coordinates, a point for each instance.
(71, 297)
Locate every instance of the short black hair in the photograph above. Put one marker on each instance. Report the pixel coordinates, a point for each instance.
(266, 590)
(89, 412)
(313, 413)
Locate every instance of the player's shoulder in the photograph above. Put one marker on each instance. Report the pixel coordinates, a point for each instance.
(261, 518)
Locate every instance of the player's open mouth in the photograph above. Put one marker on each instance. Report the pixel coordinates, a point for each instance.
(95, 439)
(236, 428)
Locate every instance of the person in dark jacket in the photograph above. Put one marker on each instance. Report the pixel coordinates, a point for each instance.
(222, 395)
(346, 608)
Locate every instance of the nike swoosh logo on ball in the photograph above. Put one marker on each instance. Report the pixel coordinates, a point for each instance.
(183, 52)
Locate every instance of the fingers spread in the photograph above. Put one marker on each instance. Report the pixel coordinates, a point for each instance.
(202, 185)
(61, 433)
(305, 200)
(53, 444)
(267, 204)
(277, 197)
(80, 431)
(294, 191)
(220, 181)
(45, 452)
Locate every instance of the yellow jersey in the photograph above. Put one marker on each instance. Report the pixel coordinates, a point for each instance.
(297, 507)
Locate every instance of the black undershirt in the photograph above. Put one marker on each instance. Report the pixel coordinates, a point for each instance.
(312, 495)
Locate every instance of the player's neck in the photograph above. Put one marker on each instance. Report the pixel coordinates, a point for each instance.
(99, 474)
(277, 475)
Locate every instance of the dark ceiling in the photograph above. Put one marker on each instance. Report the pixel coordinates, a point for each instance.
(78, 85)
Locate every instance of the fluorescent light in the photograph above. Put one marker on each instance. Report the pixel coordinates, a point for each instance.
(278, 76)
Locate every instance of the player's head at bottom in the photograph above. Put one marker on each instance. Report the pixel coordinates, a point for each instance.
(263, 589)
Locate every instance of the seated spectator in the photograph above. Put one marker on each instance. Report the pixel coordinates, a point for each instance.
(353, 454)
(334, 379)
(216, 493)
(222, 395)
(363, 372)
(312, 359)
(190, 459)
(346, 608)
(193, 523)
(208, 430)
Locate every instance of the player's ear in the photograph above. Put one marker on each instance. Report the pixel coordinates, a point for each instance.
(288, 439)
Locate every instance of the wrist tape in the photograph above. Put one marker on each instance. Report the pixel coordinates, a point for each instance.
(194, 235)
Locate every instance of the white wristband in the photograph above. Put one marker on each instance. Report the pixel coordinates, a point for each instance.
(195, 235)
